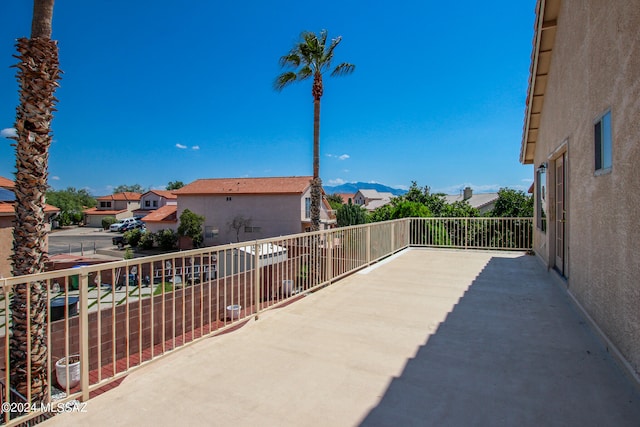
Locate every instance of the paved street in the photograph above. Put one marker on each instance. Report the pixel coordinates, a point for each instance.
(79, 239)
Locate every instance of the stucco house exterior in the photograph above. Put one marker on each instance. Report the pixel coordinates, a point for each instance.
(155, 199)
(120, 206)
(162, 218)
(240, 209)
(371, 199)
(484, 202)
(582, 136)
(7, 219)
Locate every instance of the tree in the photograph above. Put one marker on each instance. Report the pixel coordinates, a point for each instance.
(311, 57)
(38, 75)
(512, 203)
(335, 197)
(191, 226)
(71, 203)
(351, 214)
(175, 185)
(135, 188)
(238, 223)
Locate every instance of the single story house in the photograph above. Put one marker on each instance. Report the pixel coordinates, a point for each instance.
(371, 199)
(484, 202)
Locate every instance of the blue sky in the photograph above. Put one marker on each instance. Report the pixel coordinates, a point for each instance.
(158, 91)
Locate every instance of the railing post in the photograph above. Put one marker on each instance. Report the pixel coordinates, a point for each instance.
(84, 335)
(328, 247)
(368, 243)
(256, 275)
(466, 232)
(393, 237)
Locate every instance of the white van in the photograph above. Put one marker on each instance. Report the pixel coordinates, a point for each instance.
(116, 226)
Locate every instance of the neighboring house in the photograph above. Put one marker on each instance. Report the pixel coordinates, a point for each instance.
(120, 206)
(371, 199)
(251, 208)
(582, 136)
(7, 220)
(154, 199)
(346, 197)
(484, 202)
(162, 218)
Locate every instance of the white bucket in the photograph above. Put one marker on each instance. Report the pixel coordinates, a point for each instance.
(233, 311)
(287, 287)
(74, 372)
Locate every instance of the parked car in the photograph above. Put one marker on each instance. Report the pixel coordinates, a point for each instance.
(117, 226)
(132, 225)
(119, 241)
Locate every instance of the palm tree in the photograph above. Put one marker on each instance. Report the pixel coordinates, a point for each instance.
(311, 57)
(38, 73)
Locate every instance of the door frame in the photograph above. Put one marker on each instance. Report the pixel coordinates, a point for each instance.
(559, 262)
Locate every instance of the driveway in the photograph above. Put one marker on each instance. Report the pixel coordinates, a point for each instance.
(79, 240)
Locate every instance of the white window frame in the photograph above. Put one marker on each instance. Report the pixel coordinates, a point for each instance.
(603, 142)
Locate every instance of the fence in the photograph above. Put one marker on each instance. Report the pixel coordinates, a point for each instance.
(111, 318)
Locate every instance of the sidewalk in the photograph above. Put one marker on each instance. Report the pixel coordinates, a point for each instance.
(428, 338)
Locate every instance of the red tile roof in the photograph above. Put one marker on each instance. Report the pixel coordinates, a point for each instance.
(276, 185)
(126, 196)
(167, 213)
(7, 208)
(6, 183)
(167, 194)
(96, 211)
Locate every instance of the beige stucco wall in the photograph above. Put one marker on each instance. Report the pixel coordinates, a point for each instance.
(6, 244)
(595, 67)
(159, 201)
(276, 215)
(6, 248)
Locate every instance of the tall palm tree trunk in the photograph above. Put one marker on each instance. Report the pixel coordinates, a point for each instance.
(38, 73)
(316, 183)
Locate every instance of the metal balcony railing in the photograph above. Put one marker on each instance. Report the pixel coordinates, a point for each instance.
(114, 317)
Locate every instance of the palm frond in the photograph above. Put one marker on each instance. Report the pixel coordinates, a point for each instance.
(329, 52)
(305, 72)
(284, 80)
(292, 59)
(343, 69)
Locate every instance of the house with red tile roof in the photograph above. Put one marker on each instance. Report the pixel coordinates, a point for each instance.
(120, 206)
(158, 210)
(251, 208)
(155, 199)
(162, 218)
(7, 219)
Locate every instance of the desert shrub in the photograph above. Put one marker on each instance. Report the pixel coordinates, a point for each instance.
(167, 239)
(146, 240)
(107, 221)
(133, 236)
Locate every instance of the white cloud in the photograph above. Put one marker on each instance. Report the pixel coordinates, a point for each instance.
(180, 146)
(340, 157)
(336, 181)
(529, 180)
(8, 133)
(55, 178)
(195, 147)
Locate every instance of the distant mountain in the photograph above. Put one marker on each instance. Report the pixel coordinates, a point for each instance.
(353, 187)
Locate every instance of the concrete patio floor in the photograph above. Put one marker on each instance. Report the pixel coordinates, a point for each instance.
(427, 338)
